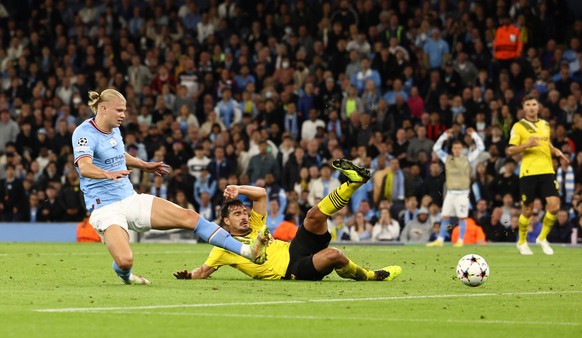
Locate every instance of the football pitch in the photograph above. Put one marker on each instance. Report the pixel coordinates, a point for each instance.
(70, 290)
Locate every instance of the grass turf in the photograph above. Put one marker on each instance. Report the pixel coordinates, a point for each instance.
(533, 296)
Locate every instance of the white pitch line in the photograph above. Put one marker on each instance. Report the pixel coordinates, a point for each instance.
(101, 253)
(283, 302)
(393, 319)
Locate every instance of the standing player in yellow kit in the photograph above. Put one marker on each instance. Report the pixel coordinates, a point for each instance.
(531, 137)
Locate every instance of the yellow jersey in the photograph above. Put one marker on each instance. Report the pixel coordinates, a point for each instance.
(277, 255)
(536, 160)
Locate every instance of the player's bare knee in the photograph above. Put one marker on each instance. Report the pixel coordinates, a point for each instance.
(336, 256)
(124, 262)
(553, 208)
(187, 219)
(315, 215)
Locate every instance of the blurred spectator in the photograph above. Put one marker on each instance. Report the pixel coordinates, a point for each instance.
(418, 229)
(473, 233)
(360, 228)
(263, 163)
(562, 230)
(386, 228)
(286, 230)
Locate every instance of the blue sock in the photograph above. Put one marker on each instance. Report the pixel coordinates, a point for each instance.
(123, 274)
(462, 227)
(444, 228)
(215, 235)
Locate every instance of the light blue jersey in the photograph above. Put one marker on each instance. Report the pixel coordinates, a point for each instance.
(108, 153)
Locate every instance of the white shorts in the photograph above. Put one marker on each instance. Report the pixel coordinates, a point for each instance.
(133, 212)
(456, 204)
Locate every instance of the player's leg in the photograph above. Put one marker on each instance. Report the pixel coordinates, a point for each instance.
(527, 189)
(462, 211)
(447, 211)
(552, 208)
(340, 197)
(167, 215)
(117, 242)
(334, 259)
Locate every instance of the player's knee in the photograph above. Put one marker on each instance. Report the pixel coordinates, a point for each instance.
(553, 208)
(314, 214)
(187, 219)
(124, 262)
(336, 256)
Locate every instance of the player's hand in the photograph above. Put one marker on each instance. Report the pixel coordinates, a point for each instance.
(449, 132)
(470, 131)
(231, 192)
(116, 175)
(533, 142)
(561, 155)
(184, 274)
(157, 168)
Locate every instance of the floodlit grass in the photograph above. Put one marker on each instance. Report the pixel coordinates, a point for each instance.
(535, 296)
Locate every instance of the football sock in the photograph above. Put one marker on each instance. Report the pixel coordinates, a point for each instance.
(547, 224)
(443, 230)
(354, 271)
(338, 198)
(217, 236)
(462, 229)
(123, 274)
(523, 224)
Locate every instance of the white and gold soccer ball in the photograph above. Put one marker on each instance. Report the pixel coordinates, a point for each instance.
(473, 270)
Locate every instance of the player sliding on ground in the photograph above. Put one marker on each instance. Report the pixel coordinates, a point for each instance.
(115, 207)
(537, 178)
(308, 256)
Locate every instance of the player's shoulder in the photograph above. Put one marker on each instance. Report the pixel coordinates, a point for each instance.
(85, 128)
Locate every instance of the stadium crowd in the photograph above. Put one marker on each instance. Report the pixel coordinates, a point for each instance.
(268, 92)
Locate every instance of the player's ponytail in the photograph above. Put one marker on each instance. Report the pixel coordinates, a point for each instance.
(95, 98)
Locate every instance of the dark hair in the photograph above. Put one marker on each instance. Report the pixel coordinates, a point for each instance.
(458, 142)
(526, 98)
(226, 206)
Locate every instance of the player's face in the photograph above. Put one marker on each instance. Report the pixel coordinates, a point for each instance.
(115, 112)
(457, 150)
(238, 221)
(531, 109)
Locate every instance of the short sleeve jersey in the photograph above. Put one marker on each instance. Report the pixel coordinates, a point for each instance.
(107, 152)
(536, 160)
(277, 255)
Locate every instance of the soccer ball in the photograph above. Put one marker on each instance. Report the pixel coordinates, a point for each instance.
(472, 270)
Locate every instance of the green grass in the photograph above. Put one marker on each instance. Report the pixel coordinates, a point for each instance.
(536, 296)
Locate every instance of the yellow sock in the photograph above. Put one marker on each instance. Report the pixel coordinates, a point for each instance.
(547, 224)
(354, 271)
(338, 198)
(523, 224)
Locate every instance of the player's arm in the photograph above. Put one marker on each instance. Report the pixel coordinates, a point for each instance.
(438, 146)
(89, 170)
(202, 272)
(158, 168)
(257, 194)
(478, 142)
(517, 144)
(558, 153)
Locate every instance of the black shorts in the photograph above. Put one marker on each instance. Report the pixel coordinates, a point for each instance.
(542, 186)
(301, 251)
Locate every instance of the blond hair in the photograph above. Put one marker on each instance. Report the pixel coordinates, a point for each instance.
(107, 95)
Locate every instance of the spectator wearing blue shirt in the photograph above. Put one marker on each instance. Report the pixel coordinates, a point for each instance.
(397, 90)
(365, 73)
(436, 51)
(244, 78)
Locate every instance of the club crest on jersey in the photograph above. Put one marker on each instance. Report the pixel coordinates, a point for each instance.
(82, 141)
(113, 142)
